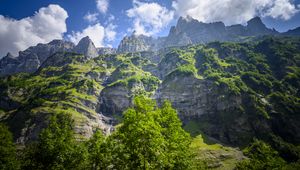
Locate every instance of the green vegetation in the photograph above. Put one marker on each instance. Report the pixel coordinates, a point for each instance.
(214, 156)
(149, 137)
(262, 156)
(56, 148)
(152, 138)
(263, 78)
(8, 159)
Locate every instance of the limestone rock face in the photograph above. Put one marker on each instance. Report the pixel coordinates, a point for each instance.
(8, 64)
(114, 100)
(106, 50)
(86, 47)
(134, 43)
(177, 38)
(200, 32)
(31, 59)
(191, 31)
(194, 97)
(256, 27)
(30, 64)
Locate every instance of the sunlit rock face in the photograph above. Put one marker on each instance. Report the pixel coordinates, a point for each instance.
(86, 47)
(32, 58)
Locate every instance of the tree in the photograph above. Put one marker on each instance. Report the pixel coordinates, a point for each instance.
(56, 148)
(178, 141)
(261, 157)
(8, 159)
(152, 138)
(100, 151)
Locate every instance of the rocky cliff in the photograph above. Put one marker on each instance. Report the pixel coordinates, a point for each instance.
(187, 31)
(86, 47)
(232, 92)
(31, 59)
(191, 31)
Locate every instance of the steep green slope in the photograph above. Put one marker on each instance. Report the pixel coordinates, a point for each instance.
(231, 92)
(245, 91)
(66, 83)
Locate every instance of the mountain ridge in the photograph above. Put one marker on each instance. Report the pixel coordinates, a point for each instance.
(187, 31)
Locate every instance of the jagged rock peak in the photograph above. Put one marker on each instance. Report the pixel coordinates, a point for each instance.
(86, 47)
(59, 42)
(9, 55)
(186, 18)
(106, 50)
(135, 43)
(85, 41)
(255, 26)
(255, 21)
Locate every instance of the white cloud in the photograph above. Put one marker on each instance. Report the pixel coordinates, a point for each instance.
(45, 25)
(110, 33)
(97, 33)
(149, 18)
(102, 5)
(282, 9)
(234, 11)
(90, 17)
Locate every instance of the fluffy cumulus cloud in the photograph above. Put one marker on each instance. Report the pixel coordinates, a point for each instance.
(110, 33)
(45, 25)
(235, 11)
(97, 33)
(91, 17)
(102, 5)
(149, 18)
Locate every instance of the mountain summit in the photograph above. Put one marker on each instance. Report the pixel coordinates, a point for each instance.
(187, 31)
(86, 47)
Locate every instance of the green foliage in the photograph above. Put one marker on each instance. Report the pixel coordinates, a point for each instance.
(8, 160)
(152, 138)
(261, 157)
(100, 151)
(56, 147)
(213, 156)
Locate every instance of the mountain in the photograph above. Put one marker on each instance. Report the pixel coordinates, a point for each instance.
(229, 91)
(32, 58)
(86, 47)
(293, 32)
(256, 27)
(187, 31)
(191, 31)
(135, 43)
(106, 50)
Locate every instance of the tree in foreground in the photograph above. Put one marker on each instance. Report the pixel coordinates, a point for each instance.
(100, 152)
(8, 159)
(151, 138)
(56, 147)
(261, 157)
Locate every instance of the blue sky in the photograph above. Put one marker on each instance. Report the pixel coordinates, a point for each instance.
(110, 20)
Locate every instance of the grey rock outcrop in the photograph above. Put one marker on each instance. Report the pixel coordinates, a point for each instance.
(135, 43)
(114, 100)
(106, 50)
(8, 64)
(31, 59)
(176, 38)
(256, 27)
(191, 31)
(86, 47)
(200, 32)
(292, 32)
(194, 97)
